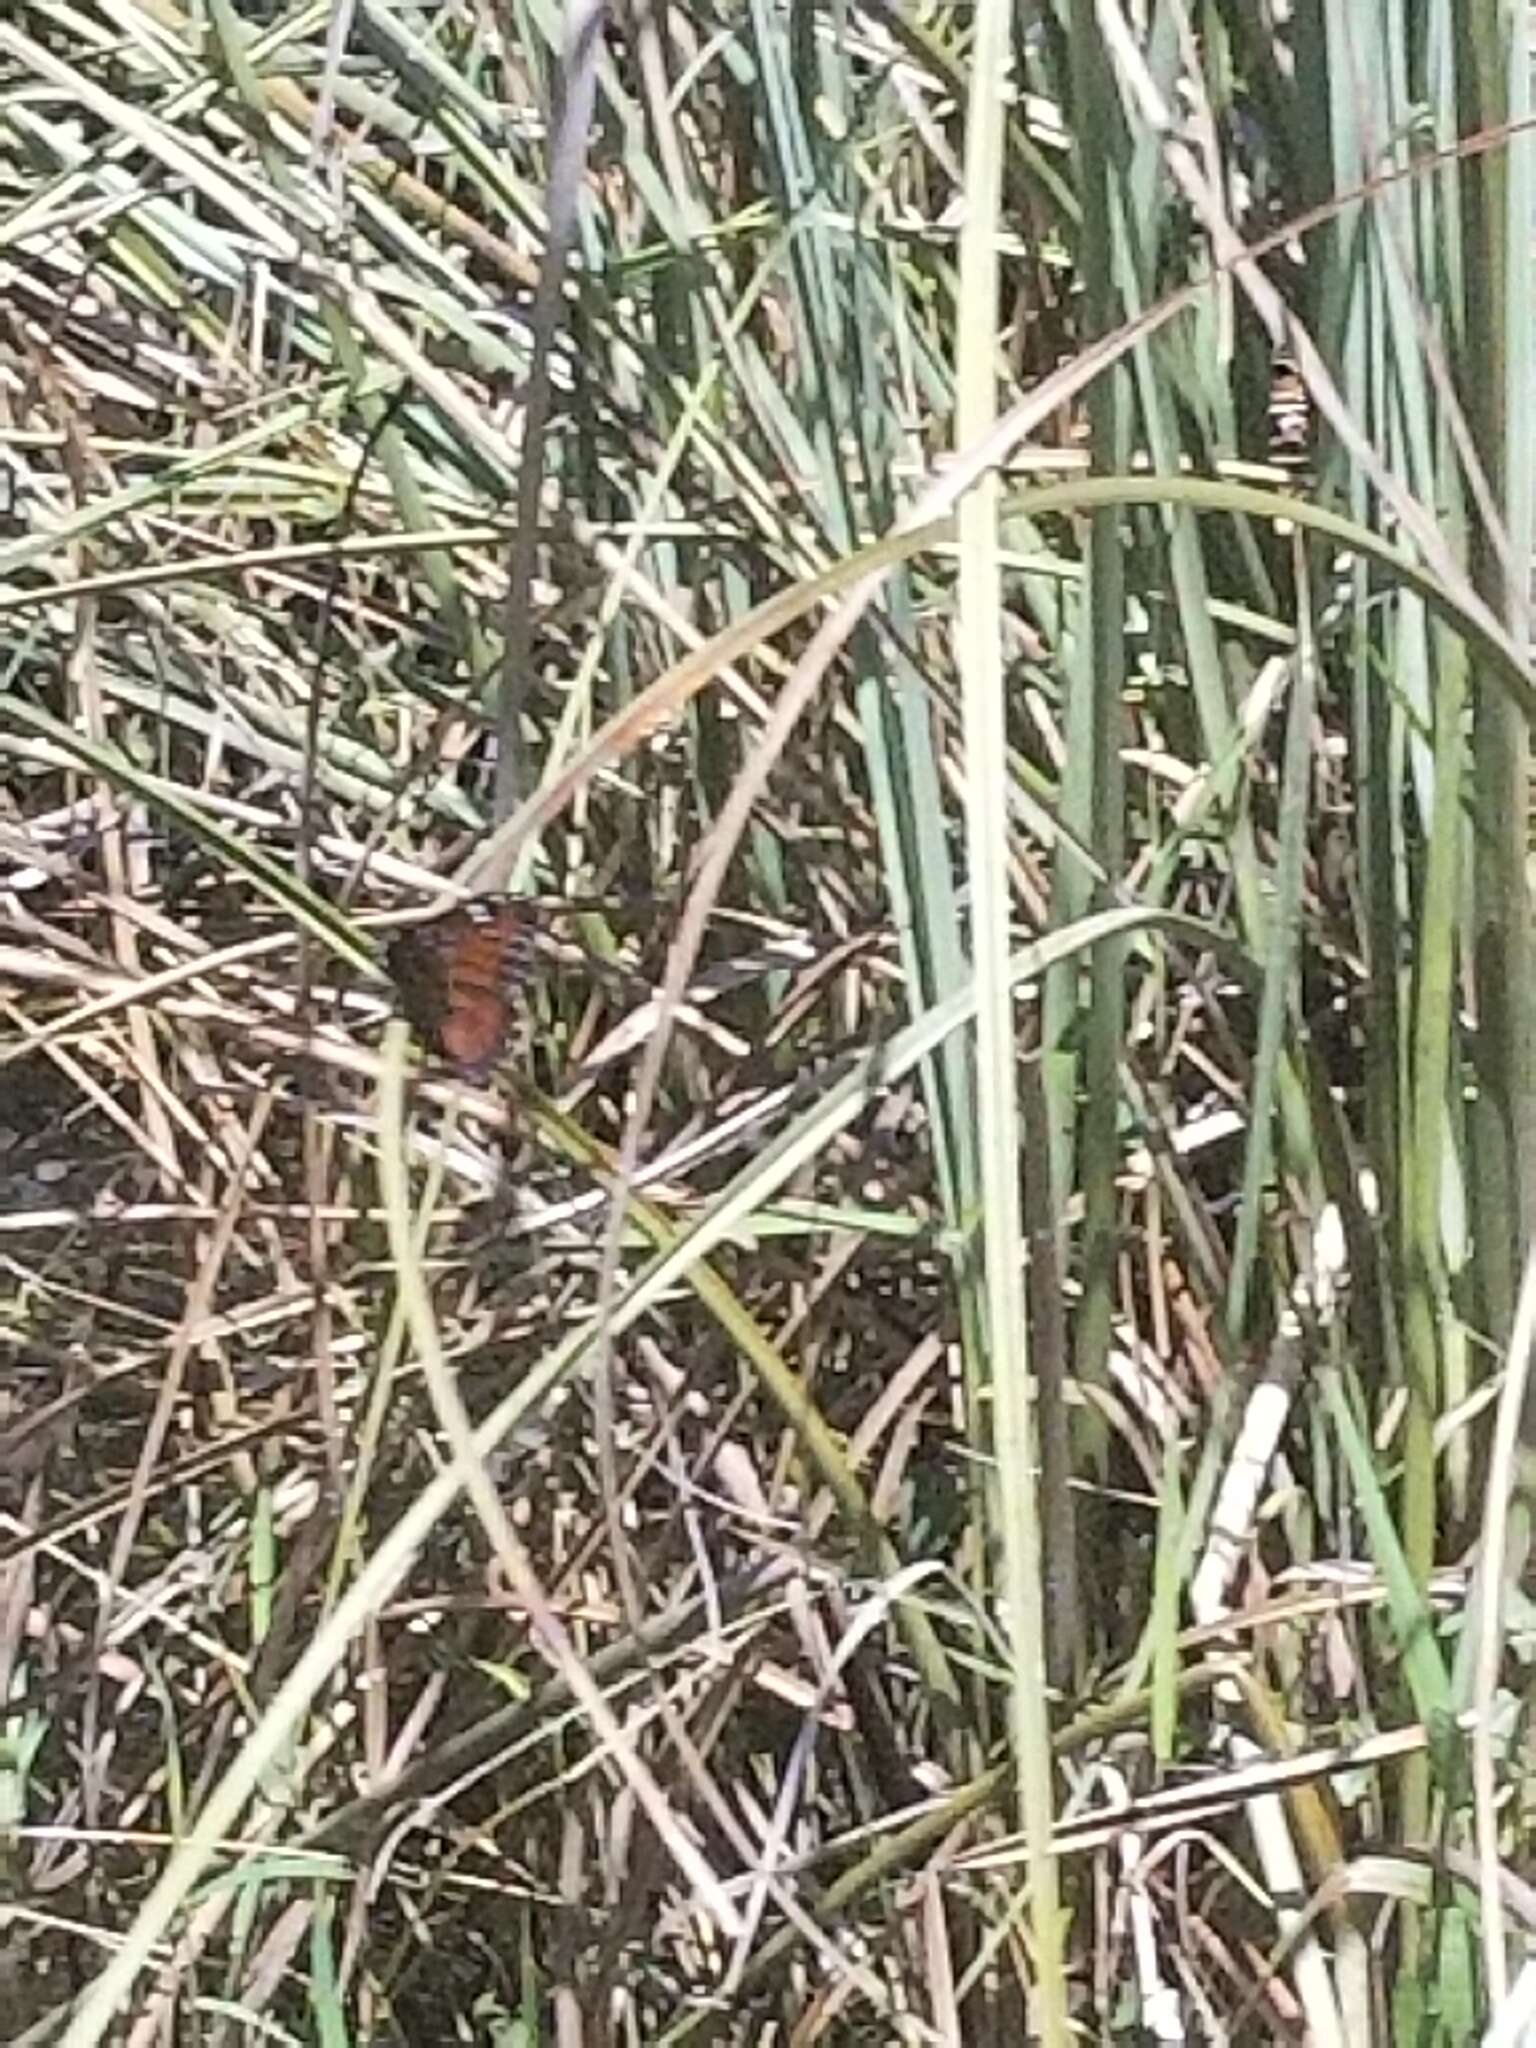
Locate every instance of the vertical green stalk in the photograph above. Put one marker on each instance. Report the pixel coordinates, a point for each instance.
(1503, 1118)
(1094, 783)
(979, 654)
(1282, 959)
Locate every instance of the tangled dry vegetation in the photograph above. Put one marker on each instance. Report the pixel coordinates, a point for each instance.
(690, 1716)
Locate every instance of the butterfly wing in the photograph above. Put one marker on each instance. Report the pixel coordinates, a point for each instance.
(457, 976)
(416, 964)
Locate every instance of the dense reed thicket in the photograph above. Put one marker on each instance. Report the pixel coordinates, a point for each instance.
(900, 1415)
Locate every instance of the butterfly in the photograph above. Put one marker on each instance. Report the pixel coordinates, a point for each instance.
(458, 974)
